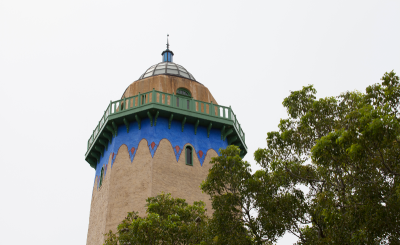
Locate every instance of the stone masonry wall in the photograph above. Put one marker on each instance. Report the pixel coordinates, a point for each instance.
(98, 207)
(169, 84)
(130, 185)
(127, 184)
(177, 178)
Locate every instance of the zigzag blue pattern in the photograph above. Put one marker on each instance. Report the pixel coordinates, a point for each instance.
(155, 134)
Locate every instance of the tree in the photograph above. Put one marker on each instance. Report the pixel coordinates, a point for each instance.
(330, 175)
(168, 221)
(247, 207)
(231, 199)
(346, 150)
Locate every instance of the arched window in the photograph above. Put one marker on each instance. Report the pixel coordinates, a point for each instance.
(184, 92)
(189, 155)
(183, 96)
(101, 176)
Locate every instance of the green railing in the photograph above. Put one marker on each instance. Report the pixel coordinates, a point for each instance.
(172, 100)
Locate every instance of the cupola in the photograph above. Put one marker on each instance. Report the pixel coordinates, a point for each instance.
(167, 54)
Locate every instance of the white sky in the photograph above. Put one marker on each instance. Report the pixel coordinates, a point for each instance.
(61, 62)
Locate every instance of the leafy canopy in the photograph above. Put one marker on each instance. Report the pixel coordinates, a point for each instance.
(346, 151)
(228, 188)
(169, 221)
(330, 175)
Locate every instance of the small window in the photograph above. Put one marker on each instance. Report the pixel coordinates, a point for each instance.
(101, 176)
(184, 74)
(170, 71)
(177, 102)
(147, 75)
(189, 155)
(159, 72)
(184, 92)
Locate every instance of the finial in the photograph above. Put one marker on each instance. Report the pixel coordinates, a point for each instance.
(167, 54)
(167, 41)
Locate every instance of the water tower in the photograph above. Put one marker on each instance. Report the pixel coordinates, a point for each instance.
(159, 137)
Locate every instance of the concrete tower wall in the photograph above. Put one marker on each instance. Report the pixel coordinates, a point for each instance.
(146, 162)
(169, 84)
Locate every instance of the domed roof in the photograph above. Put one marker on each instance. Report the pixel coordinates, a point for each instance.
(168, 68)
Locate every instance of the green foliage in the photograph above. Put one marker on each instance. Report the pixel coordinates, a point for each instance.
(169, 221)
(226, 186)
(335, 163)
(330, 175)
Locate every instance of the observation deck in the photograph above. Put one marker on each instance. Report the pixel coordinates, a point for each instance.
(154, 104)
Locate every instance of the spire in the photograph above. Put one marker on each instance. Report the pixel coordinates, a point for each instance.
(167, 54)
(167, 42)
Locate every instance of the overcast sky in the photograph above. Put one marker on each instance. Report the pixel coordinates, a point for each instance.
(61, 62)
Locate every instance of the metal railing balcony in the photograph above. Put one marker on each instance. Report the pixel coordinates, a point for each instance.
(172, 101)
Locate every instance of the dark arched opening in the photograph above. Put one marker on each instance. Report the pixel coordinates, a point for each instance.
(189, 155)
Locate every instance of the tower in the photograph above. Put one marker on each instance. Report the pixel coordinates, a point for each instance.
(159, 137)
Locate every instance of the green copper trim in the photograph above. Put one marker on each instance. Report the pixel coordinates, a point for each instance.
(228, 133)
(104, 143)
(126, 122)
(170, 121)
(109, 137)
(199, 113)
(196, 125)
(150, 117)
(99, 149)
(138, 121)
(183, 123)
(184, 92)
(111, 130)
(208, 130)
(115, 128)
(232, 139)
(96, 155)
(92, 162)
(155, 118)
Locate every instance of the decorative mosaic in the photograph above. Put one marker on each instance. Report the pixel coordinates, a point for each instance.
(132, 153)
(177, 151)
(153, 147)
(201, 157)
(153, 135)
